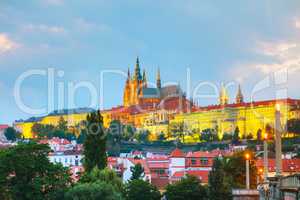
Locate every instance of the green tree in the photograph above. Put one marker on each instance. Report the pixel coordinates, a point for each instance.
(12, 134)
(293, 126)
(178, 130)
(161, 137)
(137, 172)
(227, 136)
(259, 135)
(139, 189)
(26, 173)
(95, 143)
(93, 191)
(188, 188)
(82, 136)
(128, 132)
(106, 175)
(62, 124)
(142, 136)
(236, 137)
(209, 135)
(235, 170)
(217, 187)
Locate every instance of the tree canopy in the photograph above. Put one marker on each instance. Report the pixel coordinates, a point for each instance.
(95, 143)
(188, 188)
(141, 190)
(26, 173)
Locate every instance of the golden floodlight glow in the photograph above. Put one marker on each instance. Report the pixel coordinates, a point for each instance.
(266, 136)
(277, 107)
(247, 156)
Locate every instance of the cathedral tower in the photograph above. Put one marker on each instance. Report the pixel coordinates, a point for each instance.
(239, 96)
(158, 81)
(223, 99)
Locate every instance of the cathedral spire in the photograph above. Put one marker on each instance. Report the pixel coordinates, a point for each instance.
(144, 79)
(158, 81)
(239, 95)
(128, 74)
(137, 70)
(223, 99)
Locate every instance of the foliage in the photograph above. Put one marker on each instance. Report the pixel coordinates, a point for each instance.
(106, 175)
(178, 130)
(161, 137)
(128, 132)
(137, 172)
(228, 173)
(141, 190)
(82, 136)
(259, 135)
(95, 143)
(217, 187)
(236, 137)
(188, 188)
(293, 126)
(142, 136)
(235, 169)
(62, 124)
(12, 134)
(93, 191)
(209, 135)
(227, 136)
(26, 173)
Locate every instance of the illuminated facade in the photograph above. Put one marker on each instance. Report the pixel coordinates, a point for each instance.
(155, 108)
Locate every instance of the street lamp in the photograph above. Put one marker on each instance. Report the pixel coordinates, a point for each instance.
(266, 157)
(247, 156)
(278, 131)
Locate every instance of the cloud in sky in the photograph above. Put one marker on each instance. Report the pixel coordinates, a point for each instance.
(44, 28)
(7, 44)
(86, 26)
(54, 2)
(297, 23)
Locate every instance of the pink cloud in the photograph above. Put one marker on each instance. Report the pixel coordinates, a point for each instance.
(7, 44)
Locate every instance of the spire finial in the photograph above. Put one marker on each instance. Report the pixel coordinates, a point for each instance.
(239, 95)
(223, 95)
(137, 71)
(158, 81)
(144, 79)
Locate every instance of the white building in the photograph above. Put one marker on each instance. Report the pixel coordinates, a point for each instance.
(67, 158)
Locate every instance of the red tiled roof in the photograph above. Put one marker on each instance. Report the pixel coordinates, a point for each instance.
(202, 175)
(3, 126)
(288, 165)
(250, 104)
(177, 153)
(200, 154)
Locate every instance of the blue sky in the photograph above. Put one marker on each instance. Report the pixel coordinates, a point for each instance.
(218, 41)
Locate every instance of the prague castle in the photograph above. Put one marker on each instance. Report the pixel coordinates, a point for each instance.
(137, 92)
(156, 108)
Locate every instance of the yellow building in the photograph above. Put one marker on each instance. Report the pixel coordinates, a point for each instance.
(248, 117)
(73, 118)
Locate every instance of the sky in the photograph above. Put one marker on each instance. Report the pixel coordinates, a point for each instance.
(73, 53)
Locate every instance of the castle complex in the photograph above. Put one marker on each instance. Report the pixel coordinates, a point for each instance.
(156, 108)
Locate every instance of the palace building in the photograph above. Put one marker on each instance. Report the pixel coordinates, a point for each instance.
(155, 108)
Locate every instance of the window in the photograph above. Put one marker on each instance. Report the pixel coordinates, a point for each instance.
(203, 161)
(193, 161)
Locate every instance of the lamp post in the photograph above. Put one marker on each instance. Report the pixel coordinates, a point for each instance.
(266, 168)
(247, 156)
(278, 150)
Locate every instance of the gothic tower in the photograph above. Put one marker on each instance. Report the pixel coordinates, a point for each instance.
(144, 79)
(223, 99)
(239, 96)
(127, 90)
(158, 81)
